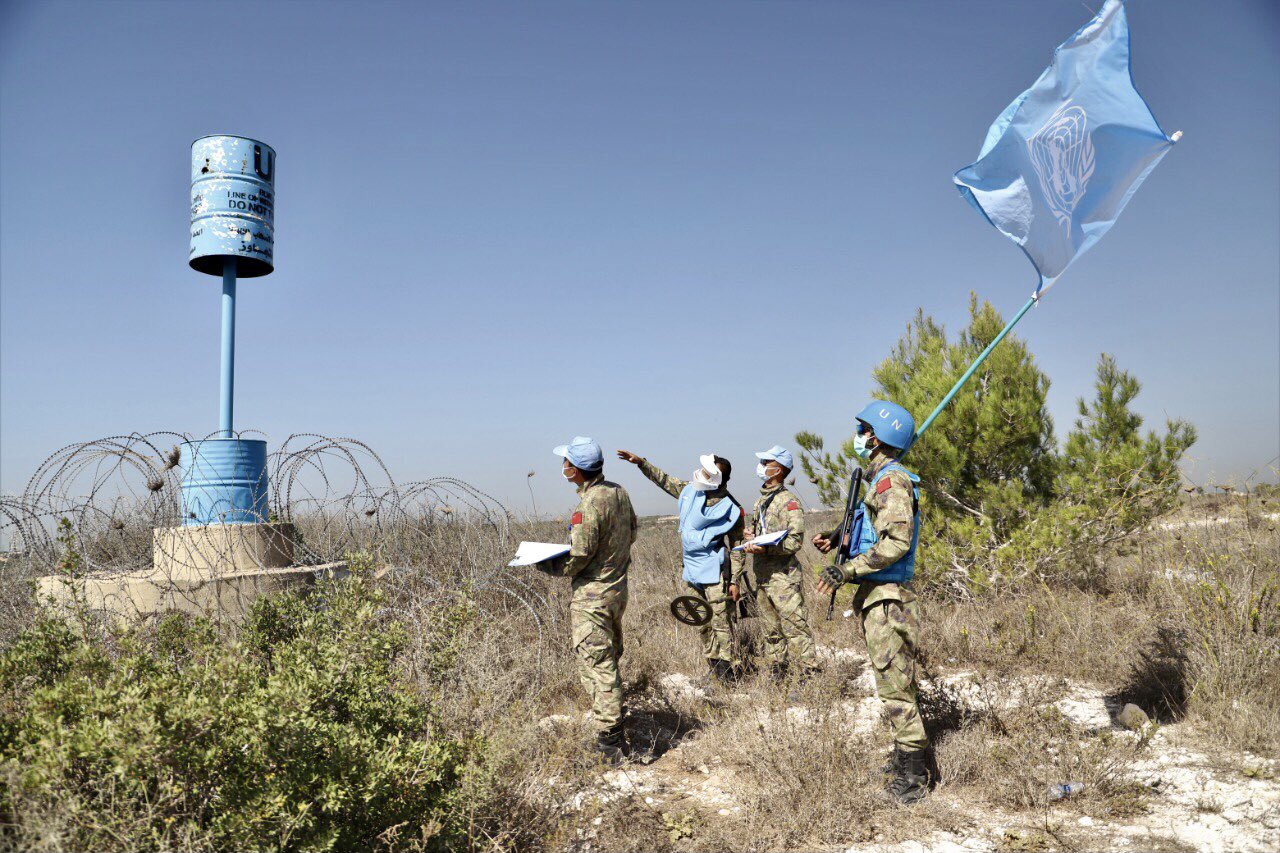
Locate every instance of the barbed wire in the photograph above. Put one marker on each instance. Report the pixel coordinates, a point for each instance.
(330, 499)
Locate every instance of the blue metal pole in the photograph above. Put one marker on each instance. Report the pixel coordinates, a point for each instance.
(226, 387)
(974, 367)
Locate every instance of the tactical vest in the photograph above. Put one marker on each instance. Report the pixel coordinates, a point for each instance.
(905, 568)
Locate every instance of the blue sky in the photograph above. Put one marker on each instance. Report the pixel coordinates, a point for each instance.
(678, 227)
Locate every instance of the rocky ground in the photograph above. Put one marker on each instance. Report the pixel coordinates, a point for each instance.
(1194, 798)
(1011, 682)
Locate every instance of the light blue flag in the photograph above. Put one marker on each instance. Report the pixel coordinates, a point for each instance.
(1063, 159)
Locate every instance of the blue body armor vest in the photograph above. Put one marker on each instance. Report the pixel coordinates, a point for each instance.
(905, 568)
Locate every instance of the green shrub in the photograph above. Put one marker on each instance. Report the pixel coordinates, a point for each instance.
(294, 736)
(1000, 502)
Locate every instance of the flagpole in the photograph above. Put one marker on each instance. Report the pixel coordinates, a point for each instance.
(976, 364)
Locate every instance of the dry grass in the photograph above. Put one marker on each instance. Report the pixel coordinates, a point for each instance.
(1189, 629)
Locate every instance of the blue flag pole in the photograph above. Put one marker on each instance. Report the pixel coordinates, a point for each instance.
(974, 367)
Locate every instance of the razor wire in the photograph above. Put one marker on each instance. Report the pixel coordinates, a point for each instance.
(106, 504)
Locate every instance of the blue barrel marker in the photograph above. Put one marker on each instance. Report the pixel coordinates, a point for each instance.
(223, 481)
(232, 235)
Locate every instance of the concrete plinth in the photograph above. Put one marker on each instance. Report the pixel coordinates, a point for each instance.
(210, 550)
(214, 570)
(142, 595)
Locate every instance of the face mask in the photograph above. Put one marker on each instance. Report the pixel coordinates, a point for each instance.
(762, 471)
(704, 482)
(566, 473)
(860, 448)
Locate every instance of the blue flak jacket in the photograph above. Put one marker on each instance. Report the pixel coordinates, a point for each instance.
(702, 529)
(905, 568)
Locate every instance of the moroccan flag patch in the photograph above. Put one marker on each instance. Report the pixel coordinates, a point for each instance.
(577, 518)
(792, 506)
(883, 486)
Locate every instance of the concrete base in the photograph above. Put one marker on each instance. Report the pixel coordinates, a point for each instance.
(206, 551)
(142, 595)
(214, 570)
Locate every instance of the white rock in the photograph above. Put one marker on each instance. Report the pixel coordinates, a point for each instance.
(1086, 708)
(677, 685)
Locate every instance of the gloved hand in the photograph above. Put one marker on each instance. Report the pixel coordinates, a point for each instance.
(832, 576)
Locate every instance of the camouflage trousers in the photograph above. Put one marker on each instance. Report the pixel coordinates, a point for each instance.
(595, 614)
(787, 635)
(891, 629)
(717, 636)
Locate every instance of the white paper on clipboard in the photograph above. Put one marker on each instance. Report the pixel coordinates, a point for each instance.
(765, 539)
(532, 553)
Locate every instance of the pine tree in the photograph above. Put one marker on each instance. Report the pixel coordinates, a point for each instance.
(999, 501)
(991, 452)
(1121, 476)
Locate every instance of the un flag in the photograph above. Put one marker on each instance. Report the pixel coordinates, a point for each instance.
(1061, 162)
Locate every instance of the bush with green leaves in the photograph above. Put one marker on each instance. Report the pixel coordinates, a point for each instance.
(1111, 480)
(1000, 500)
(295, 735)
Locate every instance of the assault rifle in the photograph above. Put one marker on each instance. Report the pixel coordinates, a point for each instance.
(849, 531)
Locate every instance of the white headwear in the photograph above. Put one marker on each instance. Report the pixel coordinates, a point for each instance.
(708, 477)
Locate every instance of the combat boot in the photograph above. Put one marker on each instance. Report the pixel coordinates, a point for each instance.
(891, 763)
(722, 672)
(612, 745)
(910, 777)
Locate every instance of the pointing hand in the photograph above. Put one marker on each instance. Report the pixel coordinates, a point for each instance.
(628, 456)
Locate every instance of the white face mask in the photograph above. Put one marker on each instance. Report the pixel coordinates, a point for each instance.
(762, 471)
(567, 472)
(860, 448)
(708, 477)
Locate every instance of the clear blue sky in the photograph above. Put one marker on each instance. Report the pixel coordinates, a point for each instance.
(678, 227)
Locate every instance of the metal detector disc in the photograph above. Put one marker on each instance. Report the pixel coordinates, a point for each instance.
(691, 610)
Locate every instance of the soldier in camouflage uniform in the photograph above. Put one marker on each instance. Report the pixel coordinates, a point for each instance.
(717, 634)
(882, 567)
(788, 638)
(601, 532)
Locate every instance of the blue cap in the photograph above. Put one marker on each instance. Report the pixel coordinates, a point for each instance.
(779, 454)
(890, 423)
(582, 453)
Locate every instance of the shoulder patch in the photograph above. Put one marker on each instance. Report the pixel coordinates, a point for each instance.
(576, 519)
(883, 486)
(792, 506)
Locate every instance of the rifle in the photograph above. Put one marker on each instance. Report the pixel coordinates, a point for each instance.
(849, 531)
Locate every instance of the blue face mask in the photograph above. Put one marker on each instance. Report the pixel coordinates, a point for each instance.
(860, 448)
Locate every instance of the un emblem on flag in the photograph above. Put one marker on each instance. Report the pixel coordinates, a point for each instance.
(1062, 155)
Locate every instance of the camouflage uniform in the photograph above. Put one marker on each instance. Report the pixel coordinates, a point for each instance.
(717, 638)
(602, 530)
(779, 581)
(890, 616)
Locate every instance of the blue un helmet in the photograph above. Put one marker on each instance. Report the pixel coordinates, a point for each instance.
(890, 423)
